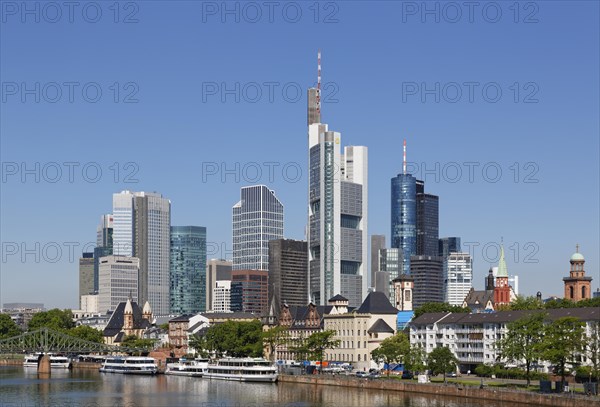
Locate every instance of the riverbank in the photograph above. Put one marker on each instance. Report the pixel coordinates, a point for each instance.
(452, 390)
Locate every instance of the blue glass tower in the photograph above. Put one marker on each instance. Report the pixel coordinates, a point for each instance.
(188, 269)
(404, 217)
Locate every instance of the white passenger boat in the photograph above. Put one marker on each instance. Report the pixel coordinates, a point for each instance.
(130, 365)
(243, 369)
(186, 367)
(56, 362)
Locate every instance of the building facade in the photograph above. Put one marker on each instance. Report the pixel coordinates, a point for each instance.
(578, 286)
(377, 243)
(249, 291)
(404, 217)
(118, 281)
(86, 275)
(216, 270)
(428, 274)
(288, 272)
(188, 270)
(257, 218)
(447, 245)
(390, 268)
(458, 277)
(221, 295)
(427, 222)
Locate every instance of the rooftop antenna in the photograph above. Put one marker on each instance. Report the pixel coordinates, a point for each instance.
(319, 83)
(404, 159)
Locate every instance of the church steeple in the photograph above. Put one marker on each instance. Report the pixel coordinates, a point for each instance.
(577, 285)
(502, 289)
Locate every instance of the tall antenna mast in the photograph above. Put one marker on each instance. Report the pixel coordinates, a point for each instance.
(404, 159)
(319, 84)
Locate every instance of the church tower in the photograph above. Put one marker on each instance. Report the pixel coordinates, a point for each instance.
(502, 289)
(577, 285)
(403, 289)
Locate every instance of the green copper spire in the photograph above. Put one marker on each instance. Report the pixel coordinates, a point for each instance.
(502, 270)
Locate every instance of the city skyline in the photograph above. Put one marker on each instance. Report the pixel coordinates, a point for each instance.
(551, 142)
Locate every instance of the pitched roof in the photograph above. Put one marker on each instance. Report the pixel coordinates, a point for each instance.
(182, 318)
(380, 326)
(429, 318)
(117, 319)
(376, 303)
(337, 297)
(481, 298)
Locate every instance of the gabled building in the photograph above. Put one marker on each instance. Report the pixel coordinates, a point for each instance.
(182, 327)
(127, 319)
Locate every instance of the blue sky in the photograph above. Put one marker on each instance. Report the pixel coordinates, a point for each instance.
(381, 64)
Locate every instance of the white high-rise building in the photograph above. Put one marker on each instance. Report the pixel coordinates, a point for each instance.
(458, 279)
(118, 281)
(257, 218)
(221, 296)
(142, 228)
(337, 212)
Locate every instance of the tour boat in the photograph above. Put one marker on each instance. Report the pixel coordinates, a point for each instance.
(192, 368)
(130, 365)
(56, 362)
(243, 370)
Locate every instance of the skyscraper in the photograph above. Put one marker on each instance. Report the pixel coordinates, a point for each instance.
(141, 228)
(390, 268)
(427, 224)
(188, 270)
(447, 245)
(458, 277)
(216, 270)
(337, 212)
(221, 296)
(427, 272)
(118, 281)
(257, 218)
(377, 243)
(249, 291)
(288, 273)
(404, 217)
(86, 275)
(104, 232)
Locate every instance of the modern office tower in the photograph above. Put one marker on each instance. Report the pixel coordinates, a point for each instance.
(249, 291)
(288, 273)
(458, 277)
(221, 296)
(141, 227)
(104, 232)
(404, 217)
(188, 270)
(118, 281)
(337, 212)
(427, 272)
(427, 221)
(377, 243)
(216, 270)
(390, 268)
(86, 275)
(257, 218)
(99, 252)
(447, 245)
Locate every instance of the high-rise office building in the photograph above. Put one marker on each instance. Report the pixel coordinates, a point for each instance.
(337, 212)
(288, 273)
(257, 218)
(188, 270)
(427, 272)
(447, 245)
(221, 296)
(118, 281)
(86, 275)
(377, 243)
(404, 217)
(141, 228)
(104, 232)
(427, 224)
(249, 291)
(216, 270)
(390, 268)
(458, 277)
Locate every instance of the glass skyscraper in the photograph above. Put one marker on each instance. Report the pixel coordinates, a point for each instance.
(427, 224)
(188, 270)
(257, 218)
(404, 217)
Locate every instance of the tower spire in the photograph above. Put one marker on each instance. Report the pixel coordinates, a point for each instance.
(404, 159)
(319, 84)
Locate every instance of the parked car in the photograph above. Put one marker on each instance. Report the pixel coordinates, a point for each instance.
(407, 375)
(451, 374)
(361, 374)
(374, 375)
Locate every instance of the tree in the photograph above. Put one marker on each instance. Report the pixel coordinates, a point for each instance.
(8, 328)
(523, 341)
(415, 359)
(563, 339)
(86, 333)
(200, 345)
(392, 350)
(526, 303)
(165, 326)
(132, 341)
(60, 320)
(441, 360)
(273, 338)
(314, 346)
(593, 349)
(439, 307)
(235, 338)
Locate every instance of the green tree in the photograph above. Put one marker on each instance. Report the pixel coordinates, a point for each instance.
(439, 307)
(132, 341)
(86, 333)
(8, 328)
(415, 359)
(60, 320)
(315, 345)
(563, 340)
(392, 350)
(441, 360)
(523, 341)
(593, 350)
(235, 338)
(526, 303)
(199, 344)
(273, 338)
(165, 326)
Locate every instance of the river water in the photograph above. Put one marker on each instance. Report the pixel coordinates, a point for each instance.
(21, 387)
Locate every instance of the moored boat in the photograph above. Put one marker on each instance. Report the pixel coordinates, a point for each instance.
(141, 365)
(56, 361)
(185, 367)
(243, 369)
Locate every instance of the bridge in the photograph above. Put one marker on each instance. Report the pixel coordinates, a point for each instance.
(46, 340)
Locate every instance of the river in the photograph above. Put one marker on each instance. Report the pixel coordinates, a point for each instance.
(22, 387)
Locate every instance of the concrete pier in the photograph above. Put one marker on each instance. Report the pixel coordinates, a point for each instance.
(44, 364)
